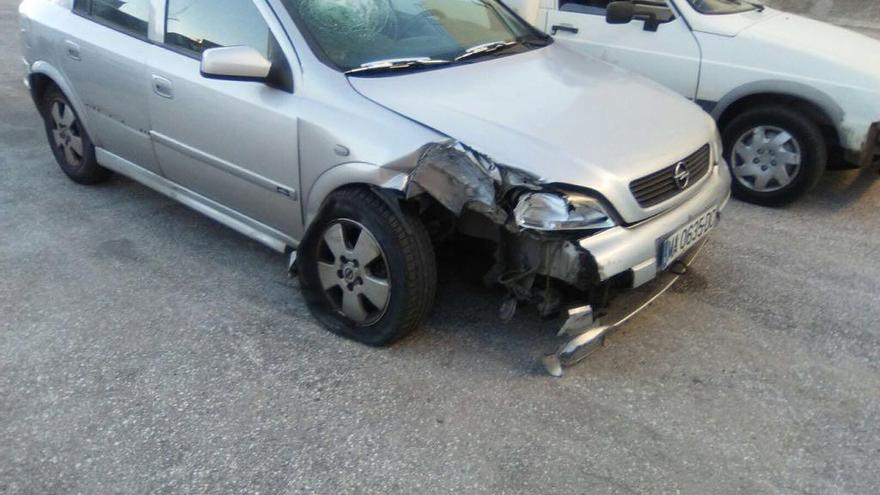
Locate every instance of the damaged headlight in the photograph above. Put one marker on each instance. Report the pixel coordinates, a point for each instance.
(555, 212)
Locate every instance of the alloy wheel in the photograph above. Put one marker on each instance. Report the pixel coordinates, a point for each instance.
(354, 272)
(66, 133)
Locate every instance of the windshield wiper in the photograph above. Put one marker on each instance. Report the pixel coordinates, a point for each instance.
(740, 3)
(492, 46)
(397, 64)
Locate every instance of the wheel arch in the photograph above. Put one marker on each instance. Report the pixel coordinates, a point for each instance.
(809, 101)
(43, 76)
(391, 191)
(352, 174)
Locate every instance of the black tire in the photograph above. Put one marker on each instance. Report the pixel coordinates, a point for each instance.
(407, 260)
(807, 136)
(81, 166)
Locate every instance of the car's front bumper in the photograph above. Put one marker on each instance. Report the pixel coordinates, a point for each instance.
(636, 248)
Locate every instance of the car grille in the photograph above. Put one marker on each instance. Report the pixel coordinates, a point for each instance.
(660, 186)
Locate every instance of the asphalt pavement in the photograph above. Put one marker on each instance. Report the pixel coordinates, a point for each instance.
(145, 348)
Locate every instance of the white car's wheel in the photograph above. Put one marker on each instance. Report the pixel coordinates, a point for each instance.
(775, 155)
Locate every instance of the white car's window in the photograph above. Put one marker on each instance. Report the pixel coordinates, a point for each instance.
(351, 33)
(130, 16)
(596, 7)
(659, 8)
(196, 25)
(723, 6)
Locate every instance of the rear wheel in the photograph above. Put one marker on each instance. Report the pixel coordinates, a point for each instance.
(775, 155)
(367, 271)
(69, 140)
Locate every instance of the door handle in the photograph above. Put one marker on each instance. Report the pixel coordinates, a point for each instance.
(72, 50)
(563, 27)
(163, 87)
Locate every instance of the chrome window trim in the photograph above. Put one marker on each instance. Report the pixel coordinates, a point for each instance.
(115, 27)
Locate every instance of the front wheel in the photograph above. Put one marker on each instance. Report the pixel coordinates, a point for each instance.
(775, 155)
(367, 271)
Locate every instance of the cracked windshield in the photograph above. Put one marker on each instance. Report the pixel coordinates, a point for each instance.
(351, 33)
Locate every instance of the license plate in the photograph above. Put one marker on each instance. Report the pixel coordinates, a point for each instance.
(686, 237)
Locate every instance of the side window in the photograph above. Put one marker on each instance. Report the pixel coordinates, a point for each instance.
(596, 7)
(196, 26)
(82, 6)
(130, 16)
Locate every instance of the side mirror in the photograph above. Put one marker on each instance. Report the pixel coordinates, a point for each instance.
(620, 13)
(235, 62)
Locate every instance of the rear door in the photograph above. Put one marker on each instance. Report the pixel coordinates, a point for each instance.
(665, 51)
(234, 142)
(103, 53)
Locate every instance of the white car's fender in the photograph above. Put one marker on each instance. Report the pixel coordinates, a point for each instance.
(820, 99)
(839, 74)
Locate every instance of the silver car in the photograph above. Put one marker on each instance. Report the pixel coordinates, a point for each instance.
(354, 135)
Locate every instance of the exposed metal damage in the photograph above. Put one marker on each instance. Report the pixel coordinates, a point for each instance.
(458, 181)
(548, 270)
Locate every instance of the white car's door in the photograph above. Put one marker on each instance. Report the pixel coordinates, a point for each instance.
(665, 51)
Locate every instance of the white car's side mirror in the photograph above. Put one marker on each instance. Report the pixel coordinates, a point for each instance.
(235, 62)
(620, 13)
(626, 11)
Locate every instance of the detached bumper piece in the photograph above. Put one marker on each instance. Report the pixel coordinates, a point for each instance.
(585, 334)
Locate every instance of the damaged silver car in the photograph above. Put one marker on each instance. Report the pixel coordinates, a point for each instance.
(356, 134)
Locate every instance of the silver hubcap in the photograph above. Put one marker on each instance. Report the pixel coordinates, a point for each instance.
(66, 134)
(353, 272)
(766, 159)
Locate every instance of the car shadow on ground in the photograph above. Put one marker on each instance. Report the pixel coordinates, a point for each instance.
(466, 321)
(841, 188)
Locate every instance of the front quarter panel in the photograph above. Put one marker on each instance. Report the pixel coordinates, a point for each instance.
(354, 141)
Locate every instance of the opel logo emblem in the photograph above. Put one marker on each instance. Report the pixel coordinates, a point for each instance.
(681, 175)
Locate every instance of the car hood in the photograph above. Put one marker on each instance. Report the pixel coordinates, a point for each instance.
(727, 24)
(855, 57)
(559, 115)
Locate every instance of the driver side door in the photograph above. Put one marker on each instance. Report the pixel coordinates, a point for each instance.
(665, 51)
(233, 142)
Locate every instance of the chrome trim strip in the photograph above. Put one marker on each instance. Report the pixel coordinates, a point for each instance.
(245, 225)
(27, 73)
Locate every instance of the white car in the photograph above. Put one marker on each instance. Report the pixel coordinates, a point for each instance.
(790, 94)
